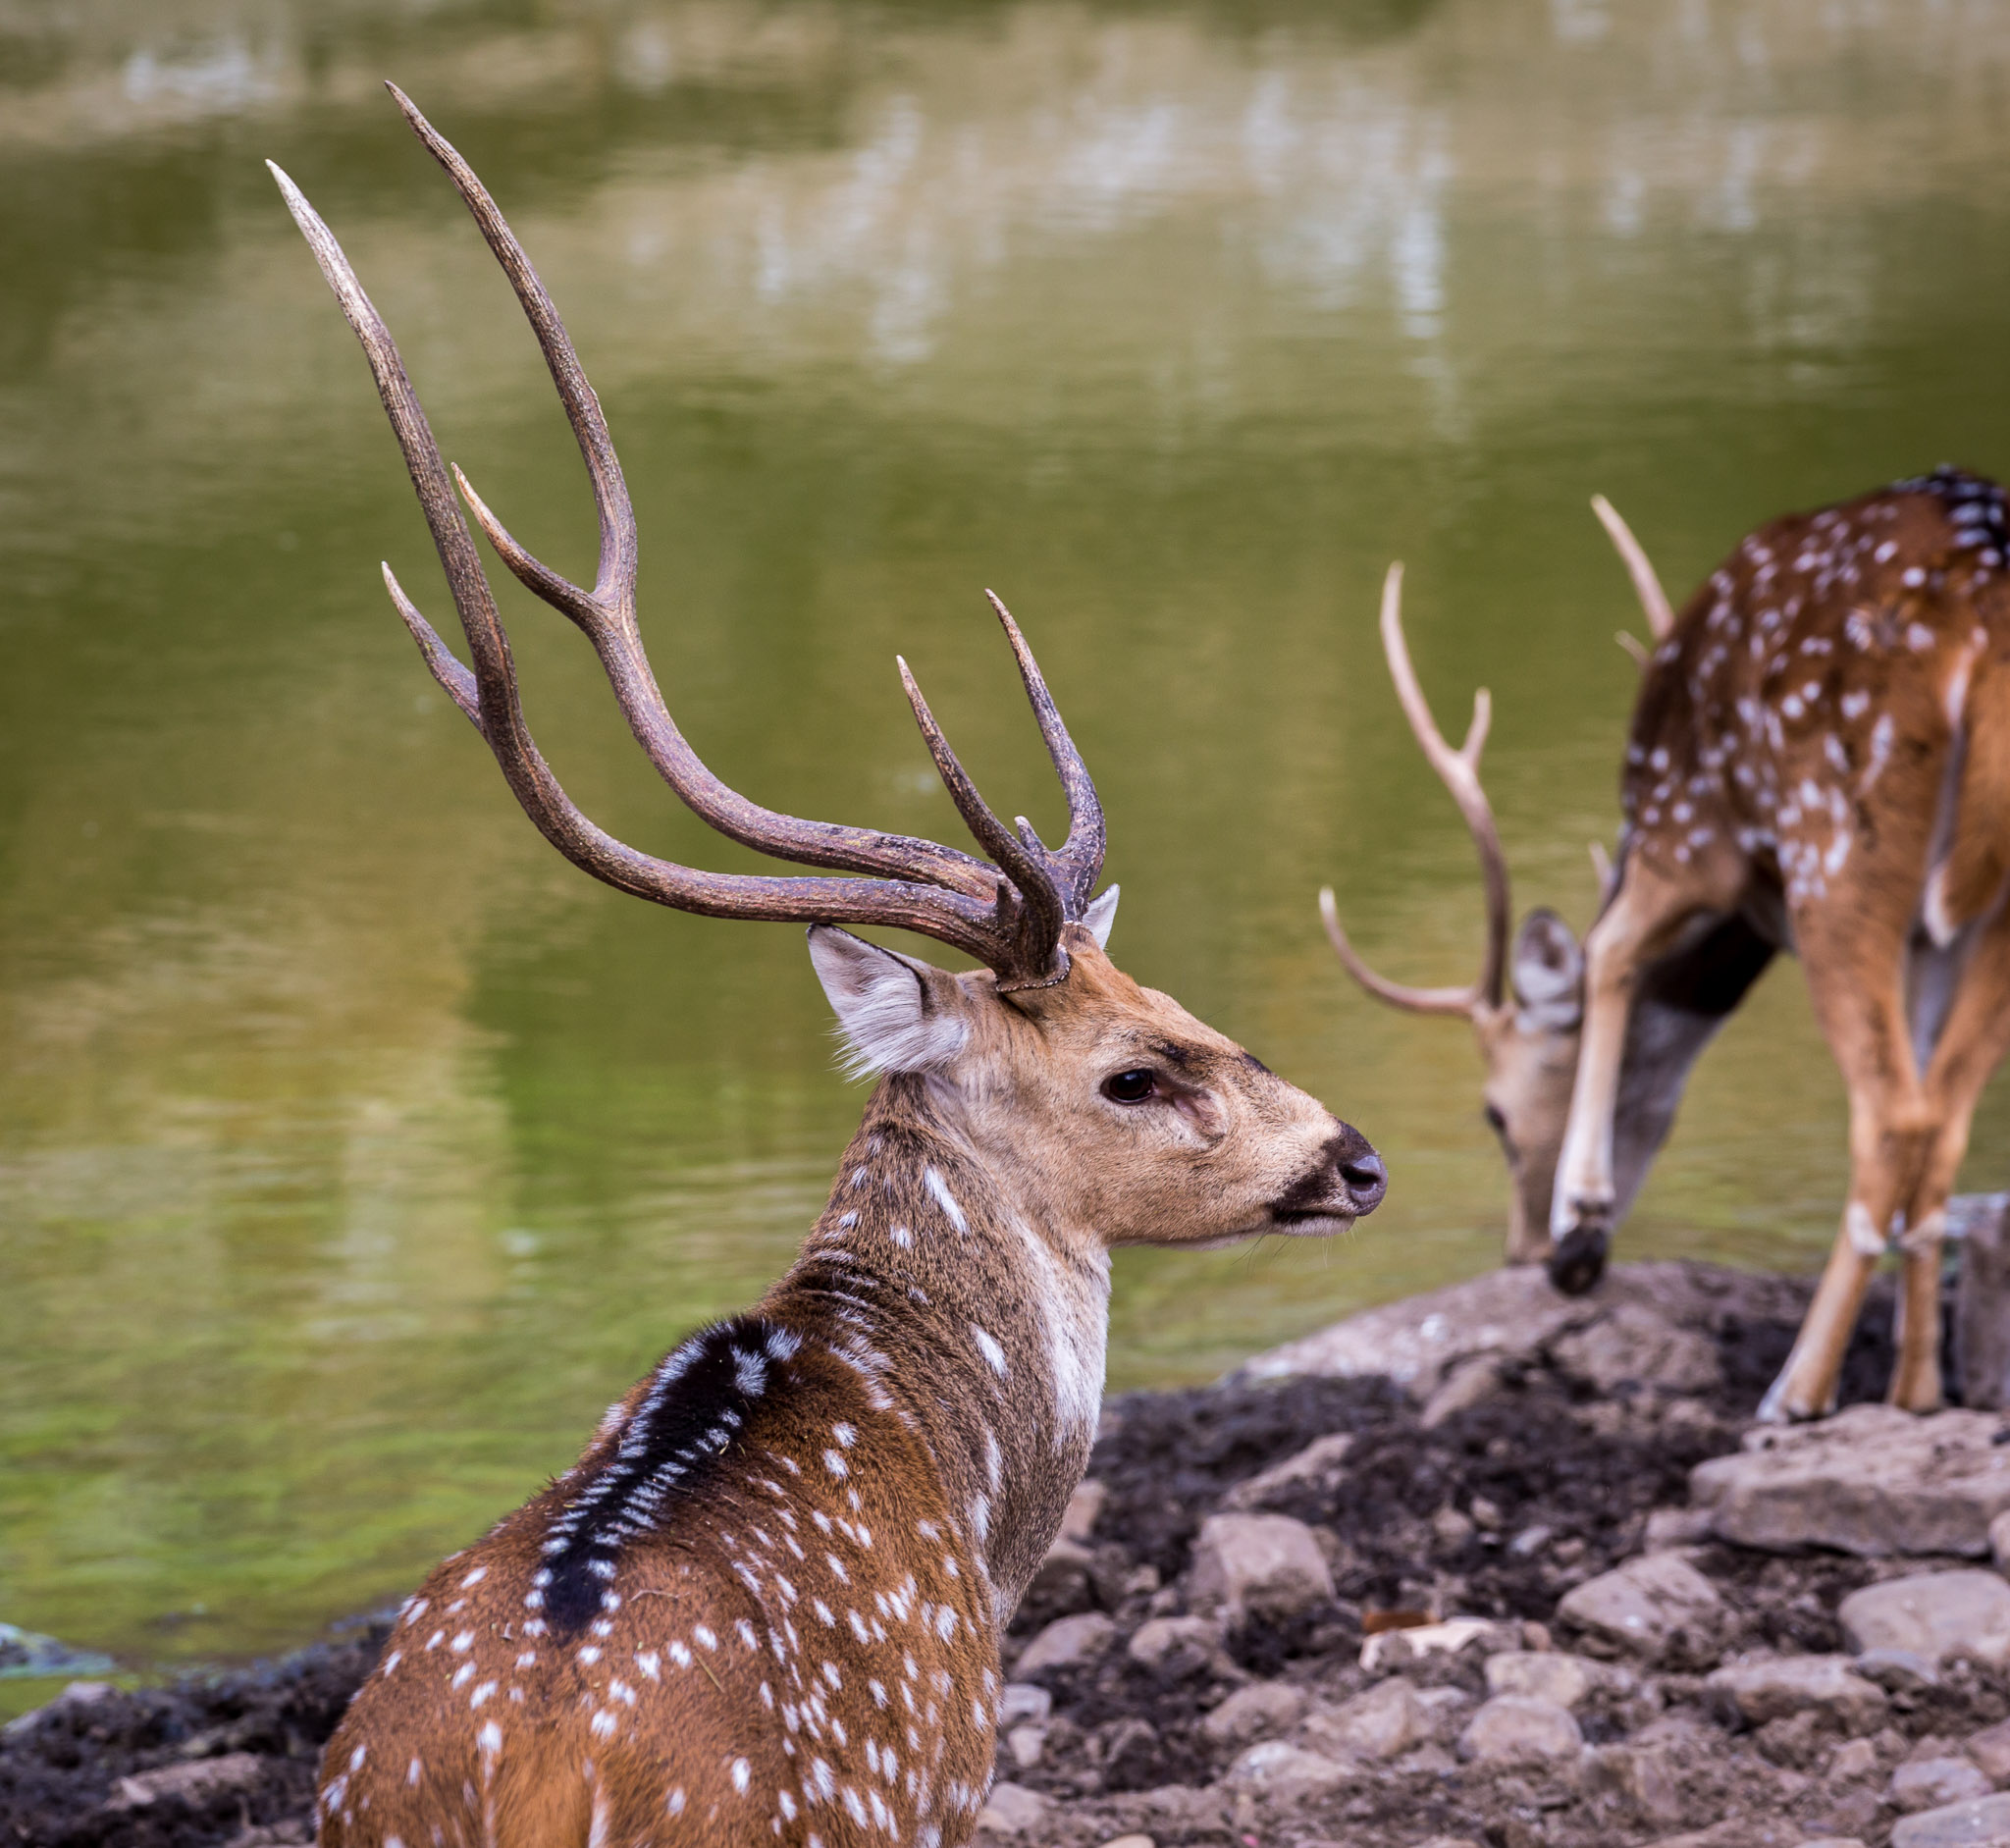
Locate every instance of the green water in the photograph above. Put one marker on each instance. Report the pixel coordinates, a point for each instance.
(355, 1152)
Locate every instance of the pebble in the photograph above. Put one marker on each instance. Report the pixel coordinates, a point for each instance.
(1264, 1706)
(1646, 1605)
(1931, 1783)
(1553, 1675)
(1984, 1822)
(1012, 1810)
(1068, 1641)
(1282, 1770)
(1932, 1614)
(1519, 1729)
(1176, 1646)
(1022, 1700)
(1991, 1749)
(1262, 1565)
(1385, 1720)
(1774, 1687)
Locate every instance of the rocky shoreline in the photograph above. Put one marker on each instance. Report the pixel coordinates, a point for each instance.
(1486, 1568)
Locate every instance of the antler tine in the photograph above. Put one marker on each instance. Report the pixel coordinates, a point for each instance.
(1398, 994)
(606, 614)
(1653, 600)
(975, 923)
(1458, 770)
(1044, 909)
(1080, 858)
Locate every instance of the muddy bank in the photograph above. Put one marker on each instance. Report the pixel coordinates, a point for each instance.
(1195, 1660)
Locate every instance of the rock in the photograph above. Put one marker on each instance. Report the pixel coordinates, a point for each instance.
(1871, 1480)
(1519, 1729)
(1064, 1580)
(1130, 1841)
(1551, 1675)
(1263, 1565)
(1771, 1689)
(1013, 1809)
(1932, 1783)
(1027, 1746)
(1648, 1607)
(1021, 1702)
(1319, 1462)
(1286, 1771)
(195, 1781)
(1984, 1822)
(1982, 1300)
(1643, 1776)
(1852, 1762)
(1990, 1750)
(2000, 1541)
(1176, 1647)
(1898, 1670)
(1634, 1344)
(1514, 1314)
(1388, 1720)
(1472, 1383)
(1084, 1505)
(1066, 1642)
(1128, 1749)
(1398, 1649)
(1675, 1527)
(1934, 1615)
(1251, 1712)
(26, 1653)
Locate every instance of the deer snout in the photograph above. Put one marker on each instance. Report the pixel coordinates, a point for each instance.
(1348, 1180)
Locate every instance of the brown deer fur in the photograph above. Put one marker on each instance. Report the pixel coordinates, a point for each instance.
(765, 1604)
(1819, 761)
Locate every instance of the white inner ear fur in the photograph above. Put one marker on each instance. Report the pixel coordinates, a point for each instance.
(887, 1012)
(1101, 915)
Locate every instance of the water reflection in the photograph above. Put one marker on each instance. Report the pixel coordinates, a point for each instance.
(354, 1151)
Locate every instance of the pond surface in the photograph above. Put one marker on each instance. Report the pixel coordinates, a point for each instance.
(355, 1152)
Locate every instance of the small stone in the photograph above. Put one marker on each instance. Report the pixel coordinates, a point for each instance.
(1022, 1700)
(1646, 1605)
(1934, 1615)
(1632, 1345)
(1852, 1762)
(195, 1781)
(1551, 1675)
(1085, 1506)
(1066, 1642)
(1643, 1776)
(1518, 1730)
(1470, 1385)
(1990, 1750)
(1319, 1464)
(1774, 1687)
(1027, 1745)
(1898, 1670)
(1065, 1579)
(1286, 1771)
(1931, 1783)
(1130, 1841)
(1676, 1527)
(1984, 1822)
(1013, 1809)
(1386, 1720)
(1176, 1647)
(1263, 1565)
(2000, 1541)
(1251, 1712)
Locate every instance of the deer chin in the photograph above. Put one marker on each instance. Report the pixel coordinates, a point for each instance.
(1311, 1222)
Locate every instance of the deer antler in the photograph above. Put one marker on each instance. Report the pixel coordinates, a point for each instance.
(1008, 915)
(1653, 600)
(1459, 772)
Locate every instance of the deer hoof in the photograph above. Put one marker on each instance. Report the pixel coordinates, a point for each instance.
(1580, 1260)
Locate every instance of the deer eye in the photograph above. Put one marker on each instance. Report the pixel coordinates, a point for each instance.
(1130, 1087)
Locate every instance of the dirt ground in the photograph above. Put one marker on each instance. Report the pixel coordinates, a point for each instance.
(1492, 1511)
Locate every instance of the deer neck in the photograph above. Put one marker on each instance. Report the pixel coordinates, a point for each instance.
(976, 1316)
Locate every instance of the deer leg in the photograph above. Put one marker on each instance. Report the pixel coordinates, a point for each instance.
(1858, 992)
(1643, 916)
(1972, 1045)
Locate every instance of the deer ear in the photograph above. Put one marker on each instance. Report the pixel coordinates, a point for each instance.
(895, 1014)
(1547, 972)
(1101, 915)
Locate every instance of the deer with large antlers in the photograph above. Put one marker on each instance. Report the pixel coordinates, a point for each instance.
(764, 1604)
(1819, 761)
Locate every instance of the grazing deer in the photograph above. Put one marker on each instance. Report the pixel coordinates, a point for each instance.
(1820, 761)
(764, 1604)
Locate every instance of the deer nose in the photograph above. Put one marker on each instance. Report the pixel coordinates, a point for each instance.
(1363, 1174)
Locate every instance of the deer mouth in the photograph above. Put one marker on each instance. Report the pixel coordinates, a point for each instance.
(1348, 1182)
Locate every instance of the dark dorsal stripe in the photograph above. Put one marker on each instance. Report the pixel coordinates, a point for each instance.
(695, 1411)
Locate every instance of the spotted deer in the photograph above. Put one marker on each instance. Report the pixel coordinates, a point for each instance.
(1818, 762)
(764, 1604)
